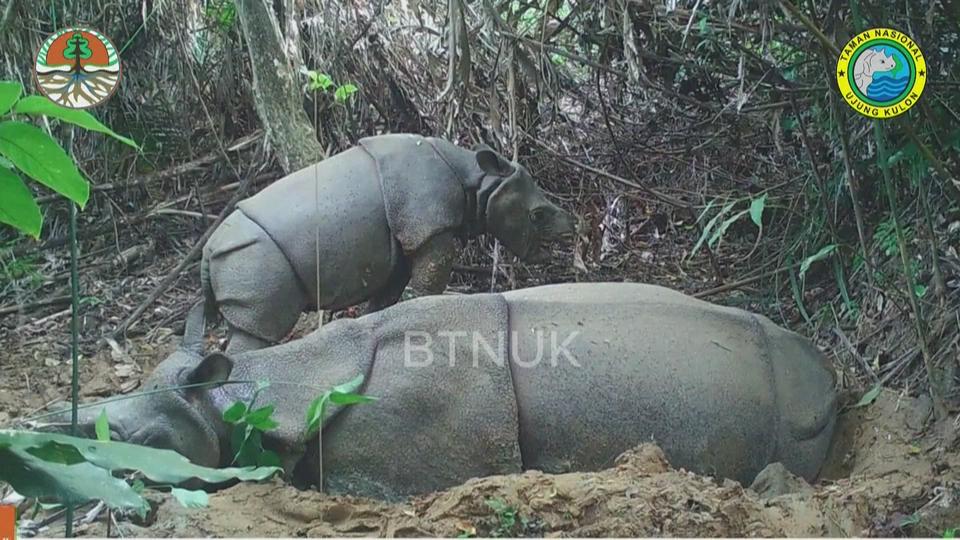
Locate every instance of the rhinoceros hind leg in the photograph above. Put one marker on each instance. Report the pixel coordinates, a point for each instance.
(390, 294)
(241, 341)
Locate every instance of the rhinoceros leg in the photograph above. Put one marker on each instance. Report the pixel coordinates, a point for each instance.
(252, 282)
(432, 263)
(390, 294)
(241, 341)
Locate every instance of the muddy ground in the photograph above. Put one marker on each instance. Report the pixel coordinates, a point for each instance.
(887, 477)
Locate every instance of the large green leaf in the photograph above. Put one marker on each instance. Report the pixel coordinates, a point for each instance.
(9, 94)
(17, 206)
(162, 466)
(38, 105)
(32, 476)
(42, 159)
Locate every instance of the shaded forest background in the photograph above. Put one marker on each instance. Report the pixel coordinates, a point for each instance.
(703, 144)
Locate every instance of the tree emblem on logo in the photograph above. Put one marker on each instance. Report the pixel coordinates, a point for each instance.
(77, 68)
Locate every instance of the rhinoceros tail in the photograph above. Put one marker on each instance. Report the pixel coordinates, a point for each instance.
(210, 311)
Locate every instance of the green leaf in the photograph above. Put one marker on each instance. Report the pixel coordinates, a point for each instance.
(316, 412)
(350, 386)
(102, 427)
(824, 252)
(235, 412)
(191, 499)
(55, 452)
(258, 416)
(38, 105)
(17, 207)
(75, 484)
(710, 225)
(718, 234)
(339, 398)
(756, 210)
(161, 466)
(9, 94)
(320, 81)
(869, 397)
(344, 92)
(42, 159)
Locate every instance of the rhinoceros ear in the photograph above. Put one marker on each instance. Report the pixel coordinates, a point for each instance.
(493, 163)
(214, 369)
(194, 329)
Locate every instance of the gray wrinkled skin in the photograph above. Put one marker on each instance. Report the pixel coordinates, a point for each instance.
(380, 215)
(722, 391)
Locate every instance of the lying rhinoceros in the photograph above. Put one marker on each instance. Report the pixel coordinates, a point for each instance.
(375, 217)
(556, 378)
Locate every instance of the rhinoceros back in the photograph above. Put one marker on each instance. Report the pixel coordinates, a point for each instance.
(423, 190)
(340, 202)
(709, 384)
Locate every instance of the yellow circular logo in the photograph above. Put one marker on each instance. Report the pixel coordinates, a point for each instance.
(77, 68)
(881, 73)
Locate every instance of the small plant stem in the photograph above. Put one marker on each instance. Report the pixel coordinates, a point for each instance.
(932, 376)
(74, 332)
(853, 185)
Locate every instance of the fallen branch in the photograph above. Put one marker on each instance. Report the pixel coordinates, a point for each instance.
(173, 172)
(56, 300)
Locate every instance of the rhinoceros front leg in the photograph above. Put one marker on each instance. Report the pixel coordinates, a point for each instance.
(241, 341)
(431, 265)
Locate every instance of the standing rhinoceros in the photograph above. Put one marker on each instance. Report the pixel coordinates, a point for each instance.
(555, 378)
(363, 224)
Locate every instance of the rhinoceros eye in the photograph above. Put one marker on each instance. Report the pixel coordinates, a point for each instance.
(537, 214)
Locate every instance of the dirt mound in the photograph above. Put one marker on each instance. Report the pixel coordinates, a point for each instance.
(885, 478)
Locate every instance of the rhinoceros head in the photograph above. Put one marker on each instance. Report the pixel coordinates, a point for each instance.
(176, 411)
(517, 212)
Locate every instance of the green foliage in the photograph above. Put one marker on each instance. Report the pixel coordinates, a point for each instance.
(714, 230)
(26, 149)
(885, 237)
(824, 252)
(102, 426)
(221, 14)
(17, 207)
(41, 106)
(72, 470)
(249, 425)
(343, 394)
(41, 158)
(321, 82)
(950, 533)
(9, 94)
(344, 92)
(507, 518)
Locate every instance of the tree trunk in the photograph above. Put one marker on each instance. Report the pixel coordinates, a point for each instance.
(275, 90)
